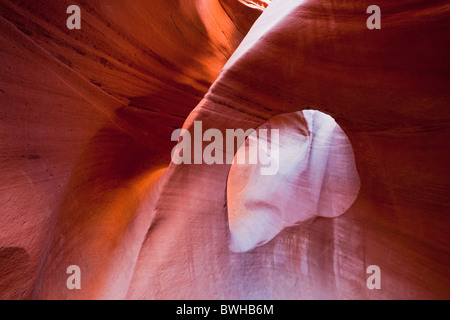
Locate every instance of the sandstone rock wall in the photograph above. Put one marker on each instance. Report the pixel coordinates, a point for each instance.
(86, 118)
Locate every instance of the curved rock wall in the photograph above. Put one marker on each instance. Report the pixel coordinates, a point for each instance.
(86, 118)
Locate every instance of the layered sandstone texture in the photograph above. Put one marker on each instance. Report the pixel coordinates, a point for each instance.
(86, 178)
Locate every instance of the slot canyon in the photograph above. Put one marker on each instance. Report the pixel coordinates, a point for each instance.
(86, 137)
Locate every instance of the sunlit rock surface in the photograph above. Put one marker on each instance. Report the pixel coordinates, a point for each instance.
(312, 174)
(86, 118)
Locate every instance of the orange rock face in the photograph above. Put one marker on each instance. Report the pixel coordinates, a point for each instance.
(86, 123)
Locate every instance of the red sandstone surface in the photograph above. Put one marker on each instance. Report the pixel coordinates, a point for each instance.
(86, 178)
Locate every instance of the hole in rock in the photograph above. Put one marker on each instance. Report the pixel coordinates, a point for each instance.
(311, 173)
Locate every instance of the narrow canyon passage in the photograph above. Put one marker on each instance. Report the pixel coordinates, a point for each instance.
(86, 118)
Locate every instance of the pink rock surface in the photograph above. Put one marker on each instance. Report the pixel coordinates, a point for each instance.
(86, 118)
(313, 174)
